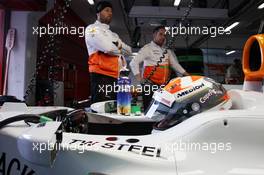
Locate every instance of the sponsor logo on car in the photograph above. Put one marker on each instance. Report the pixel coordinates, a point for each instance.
(208, 95)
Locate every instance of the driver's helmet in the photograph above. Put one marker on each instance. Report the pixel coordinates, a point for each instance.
(185, 97)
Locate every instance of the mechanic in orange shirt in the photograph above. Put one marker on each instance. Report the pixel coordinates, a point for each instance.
(150, 54)
(104, 48)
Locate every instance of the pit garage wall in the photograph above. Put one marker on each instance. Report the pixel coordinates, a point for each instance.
(19, 54)
(65, 63)
(23, 55)
(216, 63)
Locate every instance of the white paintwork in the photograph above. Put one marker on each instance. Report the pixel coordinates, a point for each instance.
(239, 130)
(253, 86)
(38, 134)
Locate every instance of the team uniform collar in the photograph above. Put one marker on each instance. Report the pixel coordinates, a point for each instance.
(106, 26)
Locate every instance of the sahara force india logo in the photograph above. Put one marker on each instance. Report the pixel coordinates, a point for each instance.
(186, 92)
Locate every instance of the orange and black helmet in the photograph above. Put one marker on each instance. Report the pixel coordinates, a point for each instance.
(185, 97)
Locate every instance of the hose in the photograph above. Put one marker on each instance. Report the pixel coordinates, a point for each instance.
(27, 117)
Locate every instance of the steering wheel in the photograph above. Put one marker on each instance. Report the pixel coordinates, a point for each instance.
(76, 121)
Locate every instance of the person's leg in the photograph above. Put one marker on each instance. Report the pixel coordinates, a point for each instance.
(93, 86)
(109, 84)
(147, 95)
(102, 87)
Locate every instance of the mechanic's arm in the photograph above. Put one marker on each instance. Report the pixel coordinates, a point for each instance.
(125, 49)
(102, 41)
(176, 65)
(135, 62)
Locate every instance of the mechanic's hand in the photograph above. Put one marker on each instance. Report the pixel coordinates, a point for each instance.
(118, 44)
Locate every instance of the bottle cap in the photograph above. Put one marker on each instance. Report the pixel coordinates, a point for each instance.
(124, 72)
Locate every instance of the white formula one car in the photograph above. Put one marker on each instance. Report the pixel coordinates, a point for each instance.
(199, 129)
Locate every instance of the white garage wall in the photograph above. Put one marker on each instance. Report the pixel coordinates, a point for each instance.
(16, 73)
(24, 54)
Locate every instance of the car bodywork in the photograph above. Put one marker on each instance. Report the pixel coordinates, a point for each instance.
(208, 143)
(220, 142)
